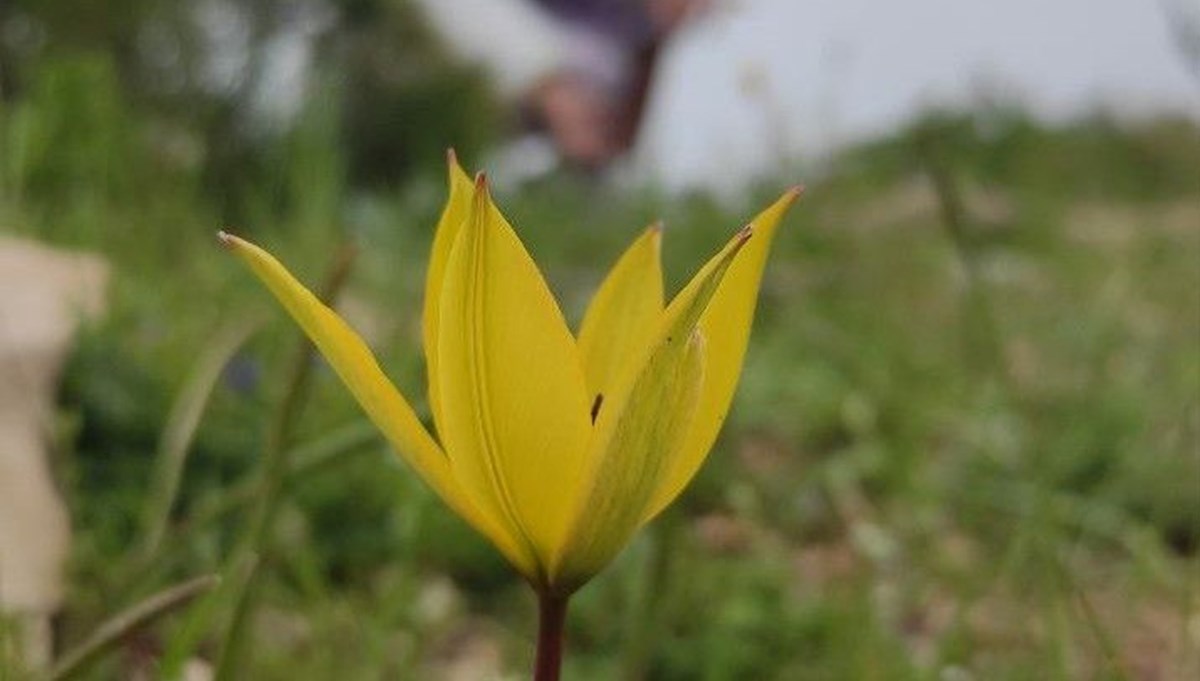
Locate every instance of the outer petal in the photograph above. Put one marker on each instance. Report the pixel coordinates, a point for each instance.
(624, 314)
(514, 402)
(639, 436)
(726, 328)
(356, 366)
(458, 206)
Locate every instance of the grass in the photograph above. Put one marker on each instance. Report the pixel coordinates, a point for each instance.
(963, 447)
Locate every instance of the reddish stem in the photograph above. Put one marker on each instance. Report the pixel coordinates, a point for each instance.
(552, 616)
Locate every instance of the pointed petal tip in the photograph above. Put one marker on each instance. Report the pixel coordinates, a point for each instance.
(483, 192)
(452, 165)
(794, 192)
(227, 240)
(655, 233)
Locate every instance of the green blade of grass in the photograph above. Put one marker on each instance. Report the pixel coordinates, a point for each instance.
(180, 430)
(273, 472)
(110, 634)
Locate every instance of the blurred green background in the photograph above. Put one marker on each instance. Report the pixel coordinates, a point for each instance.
(966, 444)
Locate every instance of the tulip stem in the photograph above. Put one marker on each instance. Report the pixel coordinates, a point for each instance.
(552, 616)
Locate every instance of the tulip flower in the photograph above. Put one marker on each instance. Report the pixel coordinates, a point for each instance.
(555, 447)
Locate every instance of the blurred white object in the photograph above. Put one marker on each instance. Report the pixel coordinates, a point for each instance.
(44, 294)
(521, 160)
(515, 41)
(762, 81)
(834, 72)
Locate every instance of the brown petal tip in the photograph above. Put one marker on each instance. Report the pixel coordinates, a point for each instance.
(227, 240)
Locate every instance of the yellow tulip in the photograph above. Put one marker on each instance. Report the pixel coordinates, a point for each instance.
(555, 447)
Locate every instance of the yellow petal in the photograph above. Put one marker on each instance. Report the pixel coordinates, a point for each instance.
(726, 328)
(353, 362)
(514, 401)
(640, 431)
(458, 206)
(624, 313)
